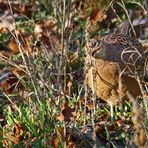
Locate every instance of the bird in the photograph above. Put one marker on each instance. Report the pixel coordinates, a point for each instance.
(114, 61)
(126, 51)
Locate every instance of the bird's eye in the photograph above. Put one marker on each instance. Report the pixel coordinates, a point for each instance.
(94, 43)
(97, 43)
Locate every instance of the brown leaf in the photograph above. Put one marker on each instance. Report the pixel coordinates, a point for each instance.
(97, 16)
(13, 46)
(14, 136)
(23, 8)
(67, 113)
(89, 103)
(10, 80)
(18, 133)
(25, 41)
(120, 123)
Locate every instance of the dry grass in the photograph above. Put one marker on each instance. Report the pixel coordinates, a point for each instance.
(49, 104)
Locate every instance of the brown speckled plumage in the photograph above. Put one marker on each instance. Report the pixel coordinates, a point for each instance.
(109, 55)
(125, 51)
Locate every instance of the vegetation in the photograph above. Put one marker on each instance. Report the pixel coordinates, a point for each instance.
(44, 100)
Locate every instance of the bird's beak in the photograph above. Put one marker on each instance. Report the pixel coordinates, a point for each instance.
(99, 53)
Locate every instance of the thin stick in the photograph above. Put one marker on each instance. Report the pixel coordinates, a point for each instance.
(129, 19)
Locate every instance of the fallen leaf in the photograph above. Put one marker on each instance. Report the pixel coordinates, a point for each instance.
(67, 114)
(97, 16)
